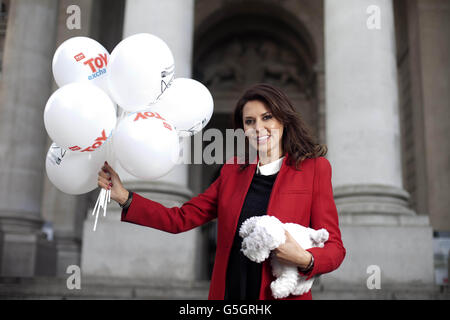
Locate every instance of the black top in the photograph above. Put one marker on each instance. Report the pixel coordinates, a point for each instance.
(243, 275)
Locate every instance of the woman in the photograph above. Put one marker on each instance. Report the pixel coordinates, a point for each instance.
(290, 180)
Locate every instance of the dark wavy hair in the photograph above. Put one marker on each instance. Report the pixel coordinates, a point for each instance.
(297, 140)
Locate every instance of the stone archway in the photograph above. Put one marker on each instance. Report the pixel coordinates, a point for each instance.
(242, 44)
(245, 43)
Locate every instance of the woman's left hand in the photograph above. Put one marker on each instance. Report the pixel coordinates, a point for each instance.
(292, 252)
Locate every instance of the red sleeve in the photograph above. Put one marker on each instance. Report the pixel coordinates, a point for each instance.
(193, 213)
(324, 215)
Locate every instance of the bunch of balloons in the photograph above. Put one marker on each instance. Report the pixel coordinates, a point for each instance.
(127, 105)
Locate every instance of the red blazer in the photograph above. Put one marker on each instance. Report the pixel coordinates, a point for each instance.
(304, 197)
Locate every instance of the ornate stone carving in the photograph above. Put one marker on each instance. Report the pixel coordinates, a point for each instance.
(241, 62)
(216, 74)
(282, 69)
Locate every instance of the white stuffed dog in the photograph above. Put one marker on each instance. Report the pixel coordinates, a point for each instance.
(262, 234)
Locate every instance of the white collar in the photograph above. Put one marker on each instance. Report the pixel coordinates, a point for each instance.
(270, 168)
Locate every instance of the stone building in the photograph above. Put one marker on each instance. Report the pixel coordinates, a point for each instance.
(370, 77)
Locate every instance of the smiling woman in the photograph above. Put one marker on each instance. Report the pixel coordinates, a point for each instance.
(264, 109)
(273, 185)
(263, 130)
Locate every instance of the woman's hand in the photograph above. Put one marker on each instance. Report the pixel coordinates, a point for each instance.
(291, 252)
(109, 179)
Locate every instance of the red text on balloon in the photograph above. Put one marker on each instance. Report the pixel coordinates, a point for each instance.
(98, 142)
(97, 62)
(148, 114)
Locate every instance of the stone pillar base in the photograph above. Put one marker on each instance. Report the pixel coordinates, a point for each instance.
(125, 250)
(67, 253)
(372, 199)
(401, 246)
(27, 255)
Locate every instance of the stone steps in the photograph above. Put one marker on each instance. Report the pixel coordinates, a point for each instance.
(100, 288)
(124, 289)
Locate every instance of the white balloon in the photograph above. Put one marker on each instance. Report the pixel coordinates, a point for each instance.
(146, 145)
(140, 69)
(79, 117)
(188, 104)
(81, 59)
(72, 172)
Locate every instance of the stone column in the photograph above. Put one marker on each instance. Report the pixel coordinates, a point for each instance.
(66, 212)
(125, 250)
(434, 64)
(173, 22)
(363, 137)
(25, 86)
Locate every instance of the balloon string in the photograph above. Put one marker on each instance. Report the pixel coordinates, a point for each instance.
(102, 202)
(96, 204)
(105, 203)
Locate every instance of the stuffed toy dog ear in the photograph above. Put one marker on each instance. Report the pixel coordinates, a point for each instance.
(248, 226)
(319, 237)
(274, 232)
(260, 236)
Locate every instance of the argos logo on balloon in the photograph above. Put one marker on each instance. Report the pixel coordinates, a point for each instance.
(79, 57)
(148, 114)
